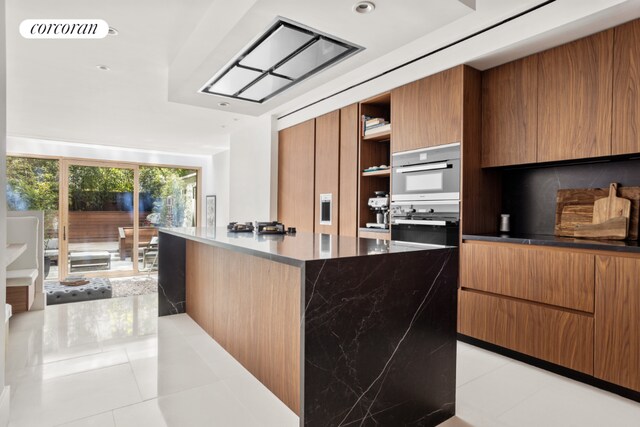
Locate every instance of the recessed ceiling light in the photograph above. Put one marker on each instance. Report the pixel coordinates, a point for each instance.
(112, 31)
(223, 104)
(103, 68)
(364, 7)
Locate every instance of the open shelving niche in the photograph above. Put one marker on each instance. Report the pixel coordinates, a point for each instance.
(375, 150)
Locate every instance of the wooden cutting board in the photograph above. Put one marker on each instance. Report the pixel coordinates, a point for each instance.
(613, 229)
(575, 206)
(611, 207)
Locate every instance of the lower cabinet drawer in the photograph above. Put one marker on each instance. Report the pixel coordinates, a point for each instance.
(546, 275)
(555, 335)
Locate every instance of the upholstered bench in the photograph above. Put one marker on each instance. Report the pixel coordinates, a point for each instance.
(95, 289)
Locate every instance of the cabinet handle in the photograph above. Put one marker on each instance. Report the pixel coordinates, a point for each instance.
(420, 168)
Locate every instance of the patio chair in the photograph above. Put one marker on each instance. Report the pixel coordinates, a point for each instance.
(150, 255)
(126, 239)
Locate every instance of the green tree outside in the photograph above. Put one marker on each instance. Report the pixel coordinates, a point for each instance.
(32, 184)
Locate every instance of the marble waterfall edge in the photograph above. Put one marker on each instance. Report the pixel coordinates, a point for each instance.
(380, 340)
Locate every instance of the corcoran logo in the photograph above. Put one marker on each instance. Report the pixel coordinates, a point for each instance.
(64, 28)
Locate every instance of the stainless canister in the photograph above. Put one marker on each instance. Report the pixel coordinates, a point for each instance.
(505, 223)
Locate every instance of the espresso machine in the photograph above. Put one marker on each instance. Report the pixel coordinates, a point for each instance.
(380, 205)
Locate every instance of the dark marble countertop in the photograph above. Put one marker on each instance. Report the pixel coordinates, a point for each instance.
(566, 242)
(298, 248)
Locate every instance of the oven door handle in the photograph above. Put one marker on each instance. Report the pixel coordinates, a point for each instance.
(427, 167)
(420, 222)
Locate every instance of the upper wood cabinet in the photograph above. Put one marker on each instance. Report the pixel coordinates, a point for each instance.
(626, 89)
(510, 113)
(617, 321)
(296, 157)
(428, 112)
(348, 224)
(328, 168)
(574, 99)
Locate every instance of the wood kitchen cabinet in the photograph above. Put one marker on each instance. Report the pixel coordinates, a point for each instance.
(535, 300)
(296, 158)
(510, 113)
(617, 321)
(327, 168)
(559, 336)
(545, 275)
(348, 200)
(428, 112)
(316, 157)
(626, 89)
(574, 308)
(575, 99)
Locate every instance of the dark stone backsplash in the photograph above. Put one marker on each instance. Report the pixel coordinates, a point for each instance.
(529, 194)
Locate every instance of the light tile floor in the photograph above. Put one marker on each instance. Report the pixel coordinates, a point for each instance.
(110, 363)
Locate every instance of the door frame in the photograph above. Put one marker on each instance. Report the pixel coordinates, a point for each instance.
(63, 259)
(63, 189)
(199, 190)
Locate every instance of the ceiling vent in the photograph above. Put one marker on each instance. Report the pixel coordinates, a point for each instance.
(283, 56)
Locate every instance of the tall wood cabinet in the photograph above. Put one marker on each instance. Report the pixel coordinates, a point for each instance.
(428, 112)
(296, 176)
(477, 214)
(327, 177)
(348, 222)
(626, 89)
(442, 109)
(617, 334)
(320, 156)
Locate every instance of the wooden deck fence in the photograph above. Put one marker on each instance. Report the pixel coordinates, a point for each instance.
(99, 226)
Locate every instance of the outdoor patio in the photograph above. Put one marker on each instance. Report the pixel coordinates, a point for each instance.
(108, 251)
(147, 261)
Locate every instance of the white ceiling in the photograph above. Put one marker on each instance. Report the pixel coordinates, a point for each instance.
(221, 36)
(55, 91)
(167, 49)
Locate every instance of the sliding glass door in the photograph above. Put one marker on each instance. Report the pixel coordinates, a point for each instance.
(99, 218)
(102, 218)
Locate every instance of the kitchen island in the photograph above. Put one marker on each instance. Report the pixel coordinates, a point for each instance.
(344, 331)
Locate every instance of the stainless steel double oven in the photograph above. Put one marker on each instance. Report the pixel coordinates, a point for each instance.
(425, 202)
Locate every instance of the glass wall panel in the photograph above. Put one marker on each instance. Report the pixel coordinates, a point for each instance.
(32, 184)
(168, 198)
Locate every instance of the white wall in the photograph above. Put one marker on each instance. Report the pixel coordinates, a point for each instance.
(4, 398)
(221, 186)
(253, 172)
(43, 147)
